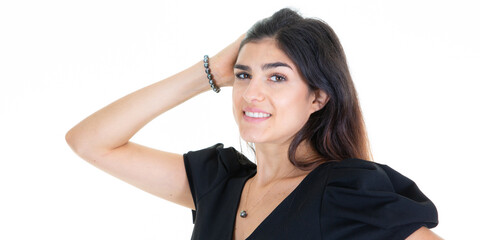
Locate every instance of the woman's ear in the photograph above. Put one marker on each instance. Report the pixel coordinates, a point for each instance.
(321, 99)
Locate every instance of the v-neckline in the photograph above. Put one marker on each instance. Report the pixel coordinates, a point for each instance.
(267, 218)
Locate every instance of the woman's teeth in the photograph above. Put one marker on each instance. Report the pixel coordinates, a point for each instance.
(257, 114)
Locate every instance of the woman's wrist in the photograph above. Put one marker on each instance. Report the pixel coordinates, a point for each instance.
(222, 73)
(208, 71)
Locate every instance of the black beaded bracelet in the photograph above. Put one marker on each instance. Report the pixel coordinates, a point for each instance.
(209, 75)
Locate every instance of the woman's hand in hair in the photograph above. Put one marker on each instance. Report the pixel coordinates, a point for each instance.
(222, 63)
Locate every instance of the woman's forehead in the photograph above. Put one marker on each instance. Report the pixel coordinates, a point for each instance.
(262, 52)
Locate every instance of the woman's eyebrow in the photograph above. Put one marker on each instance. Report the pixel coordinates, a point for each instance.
(242, 67)
(264, 66)
(274, 65)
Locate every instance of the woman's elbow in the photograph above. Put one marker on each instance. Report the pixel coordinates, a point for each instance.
(78, 144)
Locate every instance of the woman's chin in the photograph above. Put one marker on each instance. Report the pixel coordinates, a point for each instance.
(252, 137)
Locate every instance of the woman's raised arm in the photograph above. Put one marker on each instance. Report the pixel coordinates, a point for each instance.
(103, 138)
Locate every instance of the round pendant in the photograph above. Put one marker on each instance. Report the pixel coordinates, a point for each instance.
(243, 214)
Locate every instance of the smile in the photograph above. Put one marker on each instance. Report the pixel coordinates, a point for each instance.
(257, 114)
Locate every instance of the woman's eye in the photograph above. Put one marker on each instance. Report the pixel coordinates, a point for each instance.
(277, 78)
(242, 76)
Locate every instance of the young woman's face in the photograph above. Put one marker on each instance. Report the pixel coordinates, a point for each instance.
(271, 102)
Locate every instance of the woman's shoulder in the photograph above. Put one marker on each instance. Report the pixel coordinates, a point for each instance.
(363, 174)
(227, 160)
(356, 163)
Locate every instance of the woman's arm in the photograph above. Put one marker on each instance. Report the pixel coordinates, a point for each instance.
(424, 233)
(103, 138)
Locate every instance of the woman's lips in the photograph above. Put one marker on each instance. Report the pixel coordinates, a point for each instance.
(254, 115)
(257, 114)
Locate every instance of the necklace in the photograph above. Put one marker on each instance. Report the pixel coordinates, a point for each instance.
(244, 213)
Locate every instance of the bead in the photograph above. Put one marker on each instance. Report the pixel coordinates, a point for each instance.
(243, 214)
(209, 76)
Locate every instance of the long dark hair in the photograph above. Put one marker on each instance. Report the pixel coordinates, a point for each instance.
(337, 131)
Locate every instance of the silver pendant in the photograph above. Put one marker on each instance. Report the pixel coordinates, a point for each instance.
(243, 214)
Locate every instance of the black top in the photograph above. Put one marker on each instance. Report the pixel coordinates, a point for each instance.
(348, 199)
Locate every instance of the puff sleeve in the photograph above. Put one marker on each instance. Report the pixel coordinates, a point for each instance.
(367, 200)
(208, 171)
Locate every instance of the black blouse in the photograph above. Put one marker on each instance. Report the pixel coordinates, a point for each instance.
(348, 199)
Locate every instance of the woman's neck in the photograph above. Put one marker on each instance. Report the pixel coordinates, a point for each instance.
(273, 163)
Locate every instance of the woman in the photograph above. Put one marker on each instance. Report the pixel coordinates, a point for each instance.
(294, 99)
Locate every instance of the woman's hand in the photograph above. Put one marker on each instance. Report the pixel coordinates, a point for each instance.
(222, 63)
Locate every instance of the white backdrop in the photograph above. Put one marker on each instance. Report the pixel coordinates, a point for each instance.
(415, 65)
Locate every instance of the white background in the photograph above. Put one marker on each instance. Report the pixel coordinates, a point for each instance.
(415, 65)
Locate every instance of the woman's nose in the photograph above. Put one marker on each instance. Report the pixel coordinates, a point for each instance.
(254, 91)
